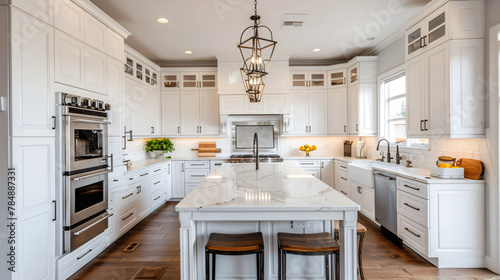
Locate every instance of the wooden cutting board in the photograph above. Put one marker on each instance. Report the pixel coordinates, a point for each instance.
(207, 149)
(473, 169)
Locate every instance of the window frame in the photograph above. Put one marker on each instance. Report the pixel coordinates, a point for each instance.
(382, 111)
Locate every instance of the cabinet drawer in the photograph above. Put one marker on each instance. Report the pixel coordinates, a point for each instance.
(309, 163)
(131, 177)
(117, 182)
(72, 262)
(343, 189)
(413, 187)
(157, 198)
(196, 176)
(157, 170)
(145, 174)
(190, 187)
(125, 196)
(157, 183)
(413, 234)
(127, 218)
(341, 166)
(413, 207)
(197, 164)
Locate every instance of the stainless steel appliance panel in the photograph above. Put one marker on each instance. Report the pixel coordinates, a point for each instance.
(86, 196)
(386, 201)
(80, 235)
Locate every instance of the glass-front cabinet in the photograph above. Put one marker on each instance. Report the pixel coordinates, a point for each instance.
(353, 74)
(337, 78)
(171, 81)
(199, 80)
(308, 79)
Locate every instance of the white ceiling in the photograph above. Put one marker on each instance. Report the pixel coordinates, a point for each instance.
(212, 28)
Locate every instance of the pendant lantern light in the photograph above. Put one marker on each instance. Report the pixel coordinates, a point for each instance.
(256, 52)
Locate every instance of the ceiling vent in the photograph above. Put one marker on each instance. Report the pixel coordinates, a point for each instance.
(293, 21)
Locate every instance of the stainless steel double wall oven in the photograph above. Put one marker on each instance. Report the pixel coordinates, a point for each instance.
(85, 168)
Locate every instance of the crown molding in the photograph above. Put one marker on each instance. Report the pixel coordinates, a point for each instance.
(187, 64)
(238, 58)
(92, 9)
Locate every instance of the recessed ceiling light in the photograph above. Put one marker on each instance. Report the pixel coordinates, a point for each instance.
(316, 50)
(162, 20)
(188, 52)
(370, 38)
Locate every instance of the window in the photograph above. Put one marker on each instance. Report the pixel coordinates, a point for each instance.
(393, 111)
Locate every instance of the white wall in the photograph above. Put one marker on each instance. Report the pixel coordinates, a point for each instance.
(392, 56)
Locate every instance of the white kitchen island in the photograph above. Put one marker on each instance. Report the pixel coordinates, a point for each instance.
(279, 197)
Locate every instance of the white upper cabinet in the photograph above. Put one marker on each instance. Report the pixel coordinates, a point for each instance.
(454, 20)
(171, 81)
(32, 75)
(337, 78)
(309, 112)
(141, 69)
(230, 80)
(96, 33)
(41, 9)
(337, 111)
(240, 104)
(142, 109)
(198, 80)
(171, 113)
(69, 18)
(308, 79)
(444, 93)
(115, 45)
(444, 89)
(69, 60)
(95, 70)
(199, 113)
(115, 93)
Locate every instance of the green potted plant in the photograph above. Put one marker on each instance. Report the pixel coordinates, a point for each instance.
(158, 147)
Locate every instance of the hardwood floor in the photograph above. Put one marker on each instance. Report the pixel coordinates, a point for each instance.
(159, 234)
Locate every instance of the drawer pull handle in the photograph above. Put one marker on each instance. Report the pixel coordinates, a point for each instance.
(413, 207)
(157, 170)
(144, 174)
(343, 178)
(129, 215)
(157, 198)
(115, 180)
(127, 195)
(342, 166)
(197, 175)
(197, 164)
(130, 179)
(410, 187)
(157, 183)
(343, 192)
(307, 163)
(90, 250)
(417, 235)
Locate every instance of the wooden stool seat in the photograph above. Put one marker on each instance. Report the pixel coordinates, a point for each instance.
(361, 230)
(308, 243)
(235, 243)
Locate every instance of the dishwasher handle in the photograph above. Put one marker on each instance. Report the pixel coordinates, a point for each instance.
(384, 176)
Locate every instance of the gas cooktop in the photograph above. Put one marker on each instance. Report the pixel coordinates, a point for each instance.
(245, 158)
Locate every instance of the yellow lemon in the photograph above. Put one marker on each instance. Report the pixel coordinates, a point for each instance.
(302, 148)
(314, 147)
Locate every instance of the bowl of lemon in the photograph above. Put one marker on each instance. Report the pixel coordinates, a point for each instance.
(306, 148)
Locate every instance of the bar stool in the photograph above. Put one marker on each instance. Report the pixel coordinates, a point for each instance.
(235, 244)
(308, 244)
(361, 230)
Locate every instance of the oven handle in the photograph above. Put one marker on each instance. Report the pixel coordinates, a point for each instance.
(90, 121)
(91, 175)
(87, 228)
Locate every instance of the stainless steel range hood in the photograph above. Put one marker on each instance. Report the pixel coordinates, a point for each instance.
(243, 127)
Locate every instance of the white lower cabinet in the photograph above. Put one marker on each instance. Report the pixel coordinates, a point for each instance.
(71, 263)
(143, 198)
(311, 166)
(364, 196)
(342, 183)
(445, 223)
(35, 196)
(328, 172)
(177, 179)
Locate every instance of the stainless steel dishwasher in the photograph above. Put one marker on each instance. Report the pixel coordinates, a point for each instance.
(386, 205)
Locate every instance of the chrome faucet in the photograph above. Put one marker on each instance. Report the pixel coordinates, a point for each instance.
(256, 150)
(388, 149)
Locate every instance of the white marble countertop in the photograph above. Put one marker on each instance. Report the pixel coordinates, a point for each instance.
(274, 187)
(419, 174)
